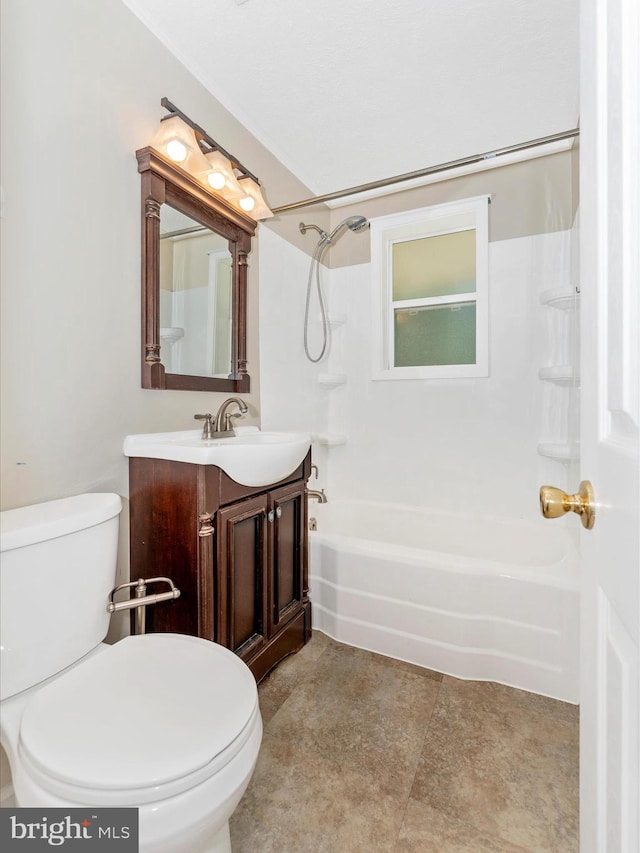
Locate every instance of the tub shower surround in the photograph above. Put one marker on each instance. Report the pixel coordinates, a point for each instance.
(506, 606)
(471, 596)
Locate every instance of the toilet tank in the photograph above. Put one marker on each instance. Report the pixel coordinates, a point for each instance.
(57, 567)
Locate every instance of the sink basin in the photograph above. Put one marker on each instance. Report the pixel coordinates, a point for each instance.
(251, 457)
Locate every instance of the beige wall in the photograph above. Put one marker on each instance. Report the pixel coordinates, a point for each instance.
(531, 197)
(535, 196)
(81, 90)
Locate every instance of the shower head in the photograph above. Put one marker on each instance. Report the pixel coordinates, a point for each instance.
(353, 223)
(357, 223)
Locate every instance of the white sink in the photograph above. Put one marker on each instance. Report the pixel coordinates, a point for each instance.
(251, 457)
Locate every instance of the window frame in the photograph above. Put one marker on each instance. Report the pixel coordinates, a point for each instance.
(437, 220)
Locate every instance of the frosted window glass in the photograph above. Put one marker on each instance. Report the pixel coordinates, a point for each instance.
(434, 266)
(433, 335)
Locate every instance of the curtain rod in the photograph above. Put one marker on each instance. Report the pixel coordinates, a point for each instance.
(430, 170)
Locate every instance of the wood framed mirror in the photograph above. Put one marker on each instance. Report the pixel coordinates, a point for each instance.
(194, 282)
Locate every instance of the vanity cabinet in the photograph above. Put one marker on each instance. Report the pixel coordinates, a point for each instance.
(237, 553)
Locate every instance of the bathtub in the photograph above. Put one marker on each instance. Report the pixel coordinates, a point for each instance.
(471, 596)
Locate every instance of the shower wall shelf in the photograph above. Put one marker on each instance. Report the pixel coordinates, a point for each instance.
(332, 380)
(330, 439)
(560, 297)
(560, 374)
(171, 334)
(562, 452)
(336, 320)
(560, 403)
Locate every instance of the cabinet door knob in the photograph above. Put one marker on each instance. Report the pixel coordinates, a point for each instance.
(270, 516)
(278, 512)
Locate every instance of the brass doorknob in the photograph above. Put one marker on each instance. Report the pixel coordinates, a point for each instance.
(554, 503)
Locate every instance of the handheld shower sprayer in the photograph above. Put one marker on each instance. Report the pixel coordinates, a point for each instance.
(353, 223)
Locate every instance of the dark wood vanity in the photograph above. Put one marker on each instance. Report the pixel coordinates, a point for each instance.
(237, 553)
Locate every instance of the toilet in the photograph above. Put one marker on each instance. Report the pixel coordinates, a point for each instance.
(166, 723)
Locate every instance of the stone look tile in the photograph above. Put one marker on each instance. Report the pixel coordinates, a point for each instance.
(493, 757)
(363, 714)
(396, 664)
(277, 686)
(426, 830)
(300, 802)
(498, 693)
(347, 734)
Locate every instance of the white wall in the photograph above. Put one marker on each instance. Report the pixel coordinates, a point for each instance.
(467, 444)
(290, 397)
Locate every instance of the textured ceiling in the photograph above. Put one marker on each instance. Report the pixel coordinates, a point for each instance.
(348, 92)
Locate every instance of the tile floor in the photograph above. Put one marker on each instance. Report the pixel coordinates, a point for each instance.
(363, 753)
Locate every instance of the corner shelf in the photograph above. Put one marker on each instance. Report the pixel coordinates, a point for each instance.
(330, 439)
(561, 451)
(559, 374)
(336, 320)
(332, 380)
(566, 376)
(171, 334)
(560, 297)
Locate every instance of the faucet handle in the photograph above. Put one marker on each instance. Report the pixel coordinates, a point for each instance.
(227, 419)
(207, 427)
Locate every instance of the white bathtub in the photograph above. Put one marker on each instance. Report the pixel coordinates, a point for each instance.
(470, 596)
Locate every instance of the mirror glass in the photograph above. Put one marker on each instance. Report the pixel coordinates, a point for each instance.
(195, 297)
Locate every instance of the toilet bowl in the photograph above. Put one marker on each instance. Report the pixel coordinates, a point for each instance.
(166, 723)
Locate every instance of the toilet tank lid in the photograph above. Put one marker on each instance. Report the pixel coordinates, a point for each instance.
(28, 525)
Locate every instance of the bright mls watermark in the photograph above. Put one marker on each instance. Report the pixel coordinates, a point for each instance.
(69, 829)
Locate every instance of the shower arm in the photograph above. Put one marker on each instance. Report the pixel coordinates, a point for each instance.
(304, 228)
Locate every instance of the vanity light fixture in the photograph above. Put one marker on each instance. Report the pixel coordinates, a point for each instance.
(191, 148)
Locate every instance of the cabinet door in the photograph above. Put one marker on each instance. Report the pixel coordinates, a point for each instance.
(287, 547)
(242, 560)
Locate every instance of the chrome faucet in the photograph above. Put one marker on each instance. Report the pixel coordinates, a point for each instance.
(222, 427)
(320, 496)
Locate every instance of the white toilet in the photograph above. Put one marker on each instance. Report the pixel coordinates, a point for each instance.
(166, 723)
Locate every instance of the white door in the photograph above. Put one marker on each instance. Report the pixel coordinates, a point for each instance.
(610, 331)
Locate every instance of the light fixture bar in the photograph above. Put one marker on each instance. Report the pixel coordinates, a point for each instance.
(202, 135)
(430, 170)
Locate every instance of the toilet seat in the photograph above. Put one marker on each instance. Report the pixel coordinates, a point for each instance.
(148, 718)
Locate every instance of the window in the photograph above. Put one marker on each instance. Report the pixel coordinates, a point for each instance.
(431, 267)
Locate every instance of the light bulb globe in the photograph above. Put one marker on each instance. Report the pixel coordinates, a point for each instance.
(176, 150)
(216, 180)
(247, 203)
